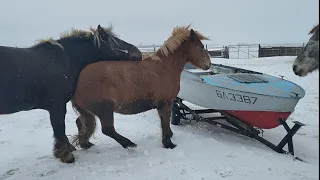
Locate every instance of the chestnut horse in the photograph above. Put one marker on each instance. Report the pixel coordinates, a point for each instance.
(134, 87)
(308, 60)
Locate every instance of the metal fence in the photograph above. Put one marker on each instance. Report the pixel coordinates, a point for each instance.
(243, 51)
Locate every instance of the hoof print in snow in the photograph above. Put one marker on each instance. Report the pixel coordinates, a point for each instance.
(230, 155)
(9, 173)
(47, 173)
(45, 157)
(224, 173)
(4, 142)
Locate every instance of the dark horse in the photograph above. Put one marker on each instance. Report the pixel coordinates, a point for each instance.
(134, 87)
(308, 60)
(45, 75)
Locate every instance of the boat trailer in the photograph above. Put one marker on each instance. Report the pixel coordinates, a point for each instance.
(180, 112)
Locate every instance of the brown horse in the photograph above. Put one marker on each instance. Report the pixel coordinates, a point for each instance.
(134, 87)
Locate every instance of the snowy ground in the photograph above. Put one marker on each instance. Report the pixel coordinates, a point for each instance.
(203, 152)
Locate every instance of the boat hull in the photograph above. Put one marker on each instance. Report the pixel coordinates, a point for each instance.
(260, 103)
(261, 119)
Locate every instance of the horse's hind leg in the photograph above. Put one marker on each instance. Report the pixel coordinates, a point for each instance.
(84, 140)
(105, 115)
(62, 148)
(164, 112)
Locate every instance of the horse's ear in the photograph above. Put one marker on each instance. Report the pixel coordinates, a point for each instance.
(106, 37)
(101, 31)
(193, 34)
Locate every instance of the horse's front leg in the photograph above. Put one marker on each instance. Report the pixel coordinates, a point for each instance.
(62, 148)
(164, 112)
(107, 124)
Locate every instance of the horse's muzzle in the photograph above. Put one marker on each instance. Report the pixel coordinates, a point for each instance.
(297, 71)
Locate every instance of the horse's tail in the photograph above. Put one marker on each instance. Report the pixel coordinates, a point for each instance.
(88, 125)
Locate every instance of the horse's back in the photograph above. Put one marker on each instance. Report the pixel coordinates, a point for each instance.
(9, 53)
(35, 54)
(31, 60)
(116, 81)
(29, 75)
(106, 72)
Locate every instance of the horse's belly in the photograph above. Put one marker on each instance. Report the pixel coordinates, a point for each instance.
(15, 100)
(9, 107)
(134, 107)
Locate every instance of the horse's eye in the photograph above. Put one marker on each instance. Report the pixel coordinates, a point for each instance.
(311, 43)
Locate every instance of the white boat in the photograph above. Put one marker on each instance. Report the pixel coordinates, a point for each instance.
(256, 98)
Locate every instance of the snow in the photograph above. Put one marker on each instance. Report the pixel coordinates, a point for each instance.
(203, 152)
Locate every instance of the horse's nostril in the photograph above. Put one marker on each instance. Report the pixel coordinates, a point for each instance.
(294, 67)
(299, 73)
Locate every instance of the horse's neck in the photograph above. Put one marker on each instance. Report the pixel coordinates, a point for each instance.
(80, 53)
(175, 62)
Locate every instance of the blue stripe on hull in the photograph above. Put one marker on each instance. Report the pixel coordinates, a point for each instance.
(274, 87)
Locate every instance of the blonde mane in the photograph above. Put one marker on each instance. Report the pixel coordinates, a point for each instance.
(47, 40)
(314, 29)
(179, 35)
(78, 33)
(82, 33)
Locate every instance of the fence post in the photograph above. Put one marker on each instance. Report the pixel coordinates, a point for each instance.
(286, 51)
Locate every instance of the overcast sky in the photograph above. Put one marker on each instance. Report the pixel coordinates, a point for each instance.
(151, 21)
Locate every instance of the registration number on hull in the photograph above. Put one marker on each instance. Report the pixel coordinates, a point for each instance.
(236, 97)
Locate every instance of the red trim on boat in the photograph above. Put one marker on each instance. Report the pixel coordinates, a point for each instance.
(260, 119)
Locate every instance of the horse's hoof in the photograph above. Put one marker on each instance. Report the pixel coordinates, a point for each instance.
(131, 145)
(69, 158)
(86, 145)
(169, 144)
(128, 145)
(64, 154)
